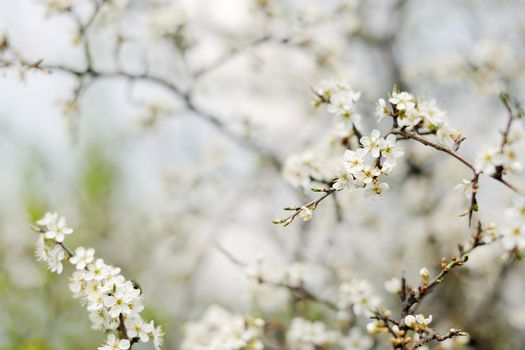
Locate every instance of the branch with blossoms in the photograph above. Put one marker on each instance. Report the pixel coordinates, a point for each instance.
(114, 304)
(368, 158)
(365, 160)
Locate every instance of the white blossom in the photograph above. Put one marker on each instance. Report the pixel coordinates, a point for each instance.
(307, 335)
(389, 150)
(306, 213)
(371, 143)
(466, 187)
(54, 260)
(136, 327)
(417, 322)
(393, 285)
(220, 329)
(381, 109)
(356, 340)
(402, 100)
(82, 257)
(114, 343)
(358, 295)
(488, 159)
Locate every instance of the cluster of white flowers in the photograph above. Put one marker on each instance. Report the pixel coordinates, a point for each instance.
(361, 168)
(418, 114)
(308, 335)
(222, 330)
(341, 101)
(495, 157)
(47, 250)
(359, 296)
(418, 322)
(356, 340)
(114, 303)
(514, 234)
(300, 169)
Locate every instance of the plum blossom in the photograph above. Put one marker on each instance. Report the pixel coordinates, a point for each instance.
(402, 100)
(82, 257)
(114, 343)
(371, 143)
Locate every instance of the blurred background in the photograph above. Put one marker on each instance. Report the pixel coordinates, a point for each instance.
(156, 176)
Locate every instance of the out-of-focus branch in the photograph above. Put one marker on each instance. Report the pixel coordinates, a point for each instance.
(299, 292)
(229, 55)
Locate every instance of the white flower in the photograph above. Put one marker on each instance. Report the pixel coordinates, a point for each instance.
(402, 100)
(466, 187)
(376, 188)
(517, 211)
(306, 213)
(353, 161)
(138, 328)
(389, 150)
(157, 334)
(97, 271)
(307, 335)
(371, 144)
(514, 237)
(418, 322)
(82, 257)
(381, 109)
(509, 161)
(344, 180)
(368, 174)
(57, 230)
(41, 250)
(410, 118)
(488, 160)
(54, 259)
(421, 320)
(342, 104)
(114, 343)
(48, 219)
(410, 321)
(356, 340)
(359, 295)
(393, 285)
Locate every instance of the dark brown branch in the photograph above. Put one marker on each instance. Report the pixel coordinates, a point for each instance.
(438, 337)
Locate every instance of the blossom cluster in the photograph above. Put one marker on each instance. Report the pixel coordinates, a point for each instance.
(341, 101)
(308, 335)
(359, 296)
(321, 162)
(502, 158)
(114, 303)
(417, 114)
(362, 168)
(221, 330)
(312, 335)
(514, 234)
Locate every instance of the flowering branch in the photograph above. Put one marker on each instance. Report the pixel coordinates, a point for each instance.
(435, 336)
(114, 304)
(299, 291)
